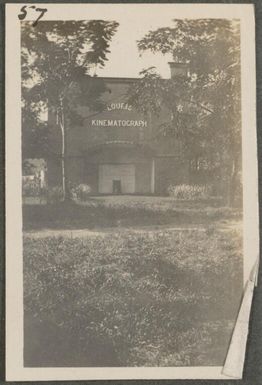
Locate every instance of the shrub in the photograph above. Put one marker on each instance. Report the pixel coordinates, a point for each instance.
(30, 188)
(81, 192)
(185, 191)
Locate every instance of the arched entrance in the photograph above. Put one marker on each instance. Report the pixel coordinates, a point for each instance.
(120, 168)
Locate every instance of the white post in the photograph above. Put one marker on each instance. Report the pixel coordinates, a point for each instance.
(153, 176)
(61, 120)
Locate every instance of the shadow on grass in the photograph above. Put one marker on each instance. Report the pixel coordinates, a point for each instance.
(61, 348)
(131, 299)
(71, 215)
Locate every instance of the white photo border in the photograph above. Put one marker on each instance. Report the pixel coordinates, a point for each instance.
(15, 371)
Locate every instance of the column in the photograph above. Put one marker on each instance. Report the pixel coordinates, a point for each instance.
(153, 176)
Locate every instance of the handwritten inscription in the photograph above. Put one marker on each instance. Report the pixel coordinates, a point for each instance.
(23, 13)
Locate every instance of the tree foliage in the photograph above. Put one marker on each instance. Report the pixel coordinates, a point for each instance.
(57, 60)
(204, 108)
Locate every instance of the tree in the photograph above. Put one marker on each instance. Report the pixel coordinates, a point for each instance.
(57, 59)
(205, 107)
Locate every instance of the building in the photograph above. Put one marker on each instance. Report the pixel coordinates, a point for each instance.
(117, 150)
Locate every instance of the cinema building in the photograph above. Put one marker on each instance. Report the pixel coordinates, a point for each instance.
(117, 151)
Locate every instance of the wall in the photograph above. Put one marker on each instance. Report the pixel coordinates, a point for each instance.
(143, 177)
(82, 139)
(120, 155)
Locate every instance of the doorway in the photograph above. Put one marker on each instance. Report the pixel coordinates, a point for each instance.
(117, 186)
(116, 179)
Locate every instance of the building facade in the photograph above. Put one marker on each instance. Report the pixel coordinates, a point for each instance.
(116, 150)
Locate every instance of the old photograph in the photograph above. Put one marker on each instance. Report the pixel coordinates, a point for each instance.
(131, 191)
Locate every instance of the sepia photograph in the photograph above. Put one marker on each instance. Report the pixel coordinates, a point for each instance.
(131, 187)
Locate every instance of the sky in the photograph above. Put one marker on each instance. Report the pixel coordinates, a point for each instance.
(125, 59)
(135, 20)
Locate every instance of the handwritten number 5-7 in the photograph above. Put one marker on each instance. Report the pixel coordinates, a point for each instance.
(23, 13)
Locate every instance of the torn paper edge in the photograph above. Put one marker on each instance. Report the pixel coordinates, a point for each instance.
(234, 363)
(235, 359)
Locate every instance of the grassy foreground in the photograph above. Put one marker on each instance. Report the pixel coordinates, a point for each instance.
(125, 211)
(164, 298)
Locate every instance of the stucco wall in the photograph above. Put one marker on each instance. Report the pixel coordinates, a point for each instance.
(143, 177)
(115, 107)
(83, 156)
(85, 170)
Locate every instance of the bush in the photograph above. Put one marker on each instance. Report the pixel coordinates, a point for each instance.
(30, 188)
(81, 192)
(185, 191)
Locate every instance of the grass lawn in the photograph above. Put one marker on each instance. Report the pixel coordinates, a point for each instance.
(125, 211)
(162, 298)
